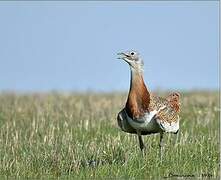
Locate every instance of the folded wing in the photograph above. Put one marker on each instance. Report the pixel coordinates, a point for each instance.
(168, 118)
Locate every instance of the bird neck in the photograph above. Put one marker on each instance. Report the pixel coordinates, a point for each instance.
(139, 97)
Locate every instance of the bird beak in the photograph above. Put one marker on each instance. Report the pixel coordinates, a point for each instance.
(122, 55)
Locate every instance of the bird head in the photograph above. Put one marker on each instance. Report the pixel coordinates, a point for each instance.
(132, 58)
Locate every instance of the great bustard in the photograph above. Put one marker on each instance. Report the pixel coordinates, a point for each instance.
(145, 113)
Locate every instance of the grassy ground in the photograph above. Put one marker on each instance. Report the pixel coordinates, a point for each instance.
(76, 135)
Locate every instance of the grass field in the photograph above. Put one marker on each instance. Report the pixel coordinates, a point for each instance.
(76, 135)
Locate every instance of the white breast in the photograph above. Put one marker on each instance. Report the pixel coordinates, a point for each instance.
(146, 123)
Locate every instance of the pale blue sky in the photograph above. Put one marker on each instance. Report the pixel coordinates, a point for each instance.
(72, 46)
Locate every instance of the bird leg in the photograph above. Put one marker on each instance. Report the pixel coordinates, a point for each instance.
(161, 146)
(142, 146)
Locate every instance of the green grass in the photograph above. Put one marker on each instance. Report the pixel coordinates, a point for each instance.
(76, 135)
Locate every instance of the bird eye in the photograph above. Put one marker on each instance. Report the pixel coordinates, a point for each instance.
(132, 53)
